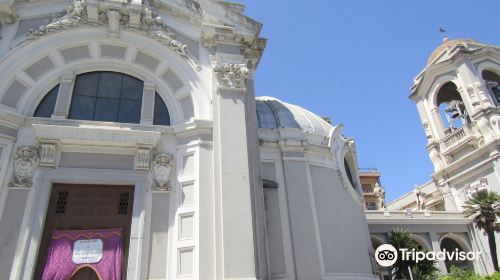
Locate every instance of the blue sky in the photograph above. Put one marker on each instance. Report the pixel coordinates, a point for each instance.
(355, 61)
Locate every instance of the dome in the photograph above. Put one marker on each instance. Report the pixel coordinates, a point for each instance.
(274, 113)
(450, 44)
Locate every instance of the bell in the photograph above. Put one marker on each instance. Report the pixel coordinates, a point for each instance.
(455, 114)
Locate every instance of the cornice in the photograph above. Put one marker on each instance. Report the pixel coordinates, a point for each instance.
(250, 44)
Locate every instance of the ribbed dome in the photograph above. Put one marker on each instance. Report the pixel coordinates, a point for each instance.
(274, 113)
(449, 44)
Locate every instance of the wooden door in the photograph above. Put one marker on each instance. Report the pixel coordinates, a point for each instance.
(77, 207)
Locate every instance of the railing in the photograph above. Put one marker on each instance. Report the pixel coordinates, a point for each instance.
(457, 137)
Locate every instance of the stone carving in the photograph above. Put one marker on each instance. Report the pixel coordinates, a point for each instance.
(231, 75)
(435, 156)
(474, 187)
(48, 154)
(153, 26)
(142, 158)
(150, 23)
(74, 15)
(380, 194)
(162, 168)
(25, 162)
(194, 6)
(419, 199)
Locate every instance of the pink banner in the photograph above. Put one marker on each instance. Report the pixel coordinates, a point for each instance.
(70, 250)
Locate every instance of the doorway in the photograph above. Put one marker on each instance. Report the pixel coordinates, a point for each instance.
(82, 207)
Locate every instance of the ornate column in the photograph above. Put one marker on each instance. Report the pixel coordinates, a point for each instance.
(64, 96)
(232, 172)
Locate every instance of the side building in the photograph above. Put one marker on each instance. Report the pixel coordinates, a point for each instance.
(458, 98)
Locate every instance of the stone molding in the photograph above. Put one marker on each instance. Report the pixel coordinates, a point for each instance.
(251, 45)
(162, 168)
(133, 17)
(26, 161)
(110, 136)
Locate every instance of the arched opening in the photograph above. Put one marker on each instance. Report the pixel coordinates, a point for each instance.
(492, 81)
(451, 107)
(85, 273)
(450, 245)
(105, 96)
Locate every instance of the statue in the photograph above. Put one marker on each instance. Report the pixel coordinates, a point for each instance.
(162, 168)
(419, 199)
(380, 194)
(25, 162)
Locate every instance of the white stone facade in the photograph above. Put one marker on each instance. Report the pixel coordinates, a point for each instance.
(220, 193)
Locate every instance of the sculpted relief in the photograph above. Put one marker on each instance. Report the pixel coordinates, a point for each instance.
(26, 161)
(162, 168)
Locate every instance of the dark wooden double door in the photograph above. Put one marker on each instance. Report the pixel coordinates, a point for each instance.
(80, 207)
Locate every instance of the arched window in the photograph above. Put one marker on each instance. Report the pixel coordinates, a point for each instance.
(451, 106)
(493, 83)
(46, 107)
(107, 96)
(349, 173)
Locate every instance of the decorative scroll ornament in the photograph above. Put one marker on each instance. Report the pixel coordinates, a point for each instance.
(25, 162)
(151, 24)
(231, 75)
(74, 15)
(162, 168)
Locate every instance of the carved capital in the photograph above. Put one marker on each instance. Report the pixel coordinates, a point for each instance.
(230, 72)
(162, 169)
(26, 161)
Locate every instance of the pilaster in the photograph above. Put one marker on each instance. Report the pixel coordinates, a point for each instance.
(437, 248)
(231, 162)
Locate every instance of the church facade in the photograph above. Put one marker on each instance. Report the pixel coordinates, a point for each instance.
(133, 147)
(457, 97)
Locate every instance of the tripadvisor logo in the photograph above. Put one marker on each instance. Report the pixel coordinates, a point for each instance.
(386, 255)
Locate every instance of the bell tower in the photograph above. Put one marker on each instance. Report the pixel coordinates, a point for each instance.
(457, 97)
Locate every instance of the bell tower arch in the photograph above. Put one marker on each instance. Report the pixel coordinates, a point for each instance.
(457, 99)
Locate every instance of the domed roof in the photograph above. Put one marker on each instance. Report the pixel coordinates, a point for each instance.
(274, 113)
(449, 44)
